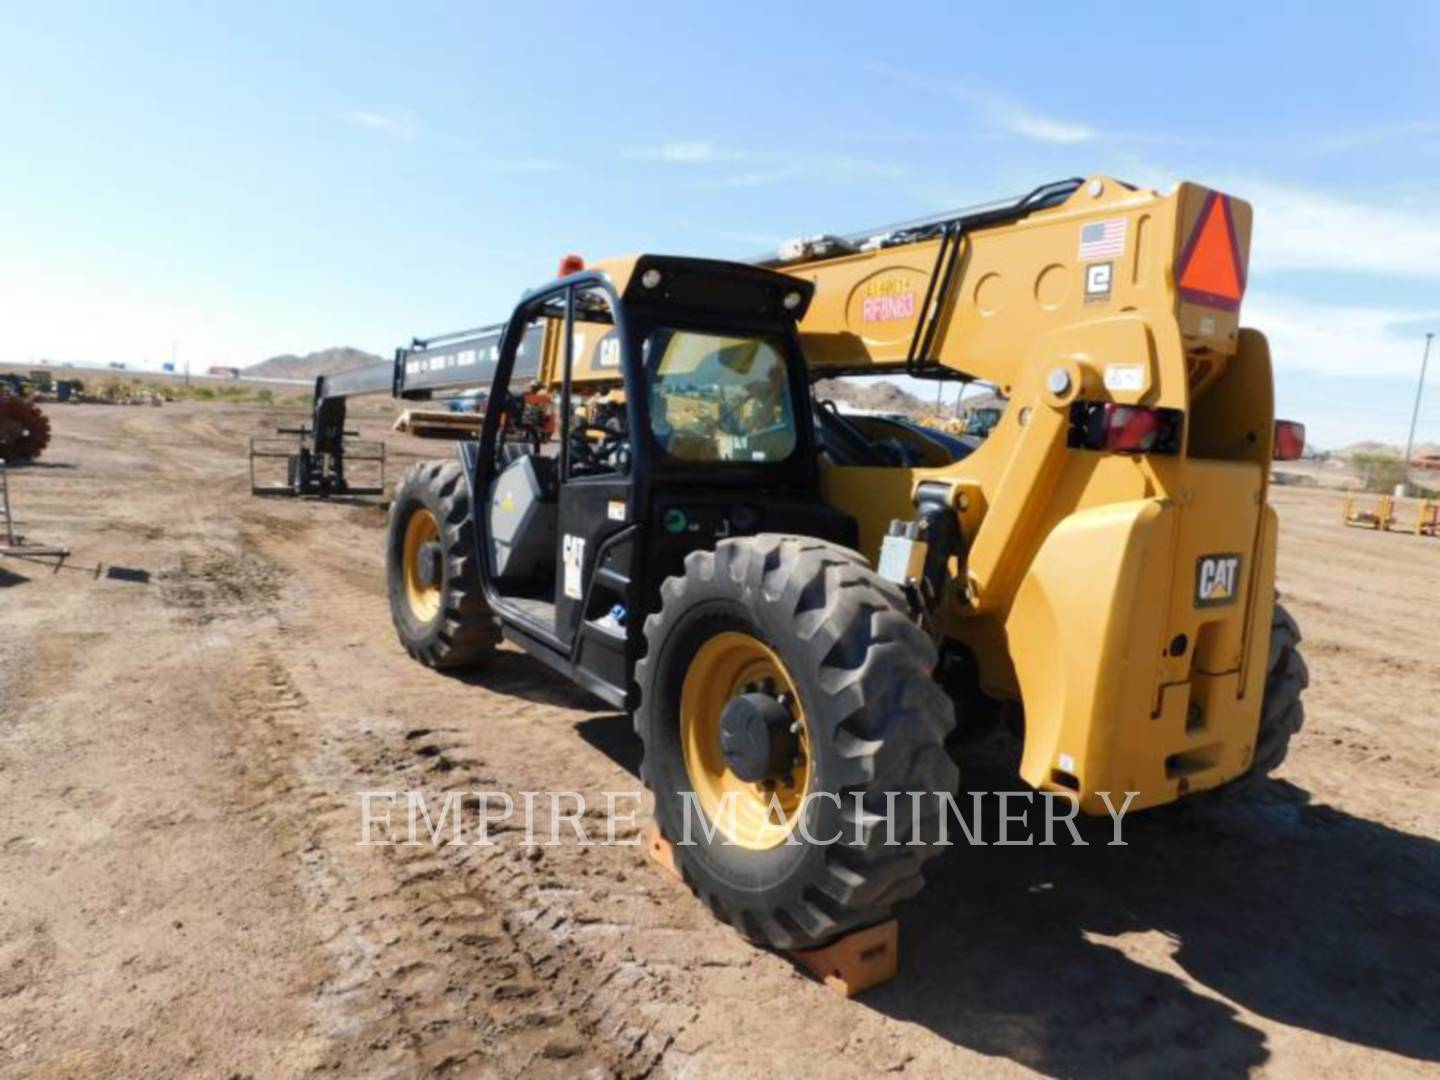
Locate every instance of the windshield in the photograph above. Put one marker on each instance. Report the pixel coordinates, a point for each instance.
(719, 398)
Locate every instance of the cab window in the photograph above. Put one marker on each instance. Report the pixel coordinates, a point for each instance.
(719, 398)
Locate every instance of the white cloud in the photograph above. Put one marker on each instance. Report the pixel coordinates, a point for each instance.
(760, 177)
(1344, 141)
(1029, 125)
(1298, 229)
(1334, 340)
(384, 123)
(686, 153)
(778, 170)
(1000, 112)
(1006, 116)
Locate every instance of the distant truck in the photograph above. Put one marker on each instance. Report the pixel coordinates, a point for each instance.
(225, 372)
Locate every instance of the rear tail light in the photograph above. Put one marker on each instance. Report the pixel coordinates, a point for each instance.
(1289, 440)
(1130, 429)
(1124, 429)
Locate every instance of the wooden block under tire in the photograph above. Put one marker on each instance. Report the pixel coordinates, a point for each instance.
(849, 965)
(856, 962)
(663, 853)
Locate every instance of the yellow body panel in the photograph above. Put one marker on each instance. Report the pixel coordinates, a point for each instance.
(1080, 590)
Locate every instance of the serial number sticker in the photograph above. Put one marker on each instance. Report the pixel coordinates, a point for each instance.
(1124, 377)
(886, 308)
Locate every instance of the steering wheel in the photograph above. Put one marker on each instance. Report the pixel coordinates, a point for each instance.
(582, 448)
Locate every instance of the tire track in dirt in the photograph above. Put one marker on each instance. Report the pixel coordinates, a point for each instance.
(415, 957)
(579, 942)
(429, 928)
(651, 984)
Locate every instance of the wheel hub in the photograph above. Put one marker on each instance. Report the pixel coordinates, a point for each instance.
(745, 740)
(428, 565)
(422, 566)
(756, 737)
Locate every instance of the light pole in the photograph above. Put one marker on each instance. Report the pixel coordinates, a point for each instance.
(1415, 414)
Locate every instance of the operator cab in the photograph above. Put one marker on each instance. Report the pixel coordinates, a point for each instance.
(640, 410)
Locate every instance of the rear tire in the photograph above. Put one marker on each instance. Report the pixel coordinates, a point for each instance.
(1283, 713)
(448, 623)
(876, 722)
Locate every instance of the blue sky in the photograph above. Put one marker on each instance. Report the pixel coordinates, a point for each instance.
(249, 179)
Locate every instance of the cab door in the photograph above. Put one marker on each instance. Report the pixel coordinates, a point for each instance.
(599, 538)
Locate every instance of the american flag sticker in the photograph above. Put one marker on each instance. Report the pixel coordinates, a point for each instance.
(1102, 239)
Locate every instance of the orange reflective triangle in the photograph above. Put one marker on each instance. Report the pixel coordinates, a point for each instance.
(1209, 271)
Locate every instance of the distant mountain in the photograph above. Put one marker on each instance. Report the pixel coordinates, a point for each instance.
(324, 362)
(1368, 447)
(883, 396)
(886, 397)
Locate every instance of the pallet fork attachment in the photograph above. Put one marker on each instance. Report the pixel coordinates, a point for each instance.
(313, 472)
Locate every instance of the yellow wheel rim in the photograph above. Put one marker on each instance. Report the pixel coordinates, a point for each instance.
(757, 816)
(424, 600)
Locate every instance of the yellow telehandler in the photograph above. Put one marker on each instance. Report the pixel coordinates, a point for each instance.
(797, 611)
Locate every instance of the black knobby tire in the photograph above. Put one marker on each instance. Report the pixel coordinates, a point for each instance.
(26, 428)
(1283, 713)
(463, 630)
(877, 721)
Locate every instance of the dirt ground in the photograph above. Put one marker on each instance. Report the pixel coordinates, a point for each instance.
(190, 708)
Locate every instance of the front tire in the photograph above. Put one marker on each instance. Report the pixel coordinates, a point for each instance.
(432, 570)
(804, 620)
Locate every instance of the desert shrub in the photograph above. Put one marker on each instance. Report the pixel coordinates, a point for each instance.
(1379, 472)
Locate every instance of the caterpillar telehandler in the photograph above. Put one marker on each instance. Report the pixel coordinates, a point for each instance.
(798, 615)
